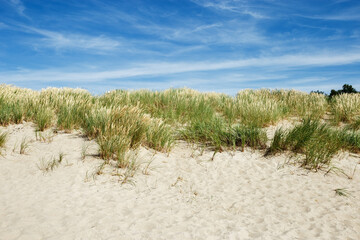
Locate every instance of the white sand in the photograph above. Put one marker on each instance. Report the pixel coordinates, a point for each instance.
(185, 196)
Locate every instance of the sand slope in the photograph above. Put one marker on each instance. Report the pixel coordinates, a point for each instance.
(185, 196)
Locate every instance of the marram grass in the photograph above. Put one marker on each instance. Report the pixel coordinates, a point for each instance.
(121, 121)
(318, 142)
(346, 107)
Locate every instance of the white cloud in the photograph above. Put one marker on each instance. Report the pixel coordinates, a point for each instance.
(225, 32)
(240, 7)
(78, 41)
(18, 6)
(163, 68)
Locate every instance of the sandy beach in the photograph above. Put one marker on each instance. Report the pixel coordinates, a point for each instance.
(180, 120)
(181, 195)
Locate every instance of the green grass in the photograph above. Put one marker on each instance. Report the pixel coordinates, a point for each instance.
(318, 143)
(43, 118)
(345, 108)
(121, 121)
(355, 125)
(3, 138)
(159, 136)
(348, 140)
(342, 192)
(47, 166)
(24, 145)
(217, 134)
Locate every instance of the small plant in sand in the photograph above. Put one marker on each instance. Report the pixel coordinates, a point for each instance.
(46, 136)
(24, 145)
(146, 169)
(3, 137)
(342, 192)
(47, 166)
(129, 173)
(84, 150)
(98, 170)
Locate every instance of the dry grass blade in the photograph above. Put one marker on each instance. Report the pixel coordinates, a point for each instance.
(3, 137)
(342, 192)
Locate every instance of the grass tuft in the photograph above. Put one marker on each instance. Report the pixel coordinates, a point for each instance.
(159, 136)
(47, 166)
(24, 145)
(43, 118)
(216, 133)
(316, 141)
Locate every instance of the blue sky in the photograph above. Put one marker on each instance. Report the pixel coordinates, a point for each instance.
(214, 45)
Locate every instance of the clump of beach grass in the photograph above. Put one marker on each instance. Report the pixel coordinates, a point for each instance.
(45, 136)
(216, 133)
(308, 138)
(159, 136)
(43, 118)
(116, 130)
(346, 107)
(318, 142)
(355, 125)
(24, 145)
(258, 108)
(47, 166)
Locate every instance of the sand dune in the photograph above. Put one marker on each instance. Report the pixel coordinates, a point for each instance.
(238, 195)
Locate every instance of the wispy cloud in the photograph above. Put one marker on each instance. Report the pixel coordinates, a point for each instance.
(161, 68)
(347, 14)
(226, 32)
(59, 40)
(18, 6)
(3, 25)
(240, 7)
(335, 17)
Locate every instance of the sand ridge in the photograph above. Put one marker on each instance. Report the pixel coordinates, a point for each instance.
(238, 195)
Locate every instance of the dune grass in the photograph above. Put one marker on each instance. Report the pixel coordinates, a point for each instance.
(355, 125)
(346, 108)
(159, 136)
(24, 145)
(121, 121)
(43, 118)
(310, 138)
(3, 138)
(318, 142)
(47, 166)
(216, 133)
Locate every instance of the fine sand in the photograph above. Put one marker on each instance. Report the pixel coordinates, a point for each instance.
(183, 195)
